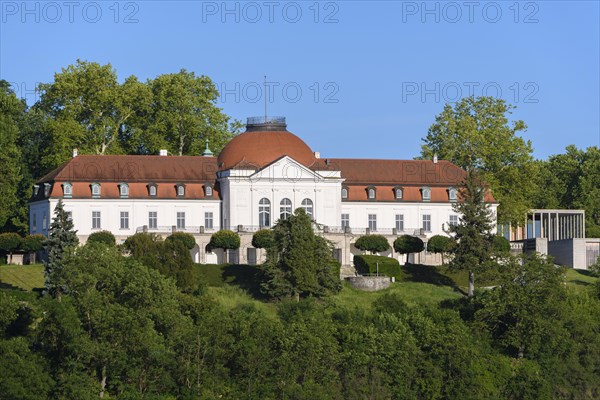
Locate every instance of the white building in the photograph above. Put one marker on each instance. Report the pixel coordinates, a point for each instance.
(262, 175)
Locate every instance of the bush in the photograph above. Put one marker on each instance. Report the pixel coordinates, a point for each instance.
(10, 242)
(592, 231)
(187, 239)
(372, 243)
(407, 244)
(263, 239)
(500, 244)
(33, 243)
(225, 239)
(367, 264)
(103, 237)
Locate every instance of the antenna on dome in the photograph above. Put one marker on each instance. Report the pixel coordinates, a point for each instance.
(265, 94)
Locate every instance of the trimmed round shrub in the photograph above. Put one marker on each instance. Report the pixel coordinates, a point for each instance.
(103, 237)
(187, 239)
(372, 243)
(368, 264)
(10, 242)
(407, 244)
(501, 244)
(224, 239)
(263, 239)
(33, 243)
(440, 244)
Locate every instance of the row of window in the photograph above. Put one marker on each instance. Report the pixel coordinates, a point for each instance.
(372, 220)
(399, 193)
(96, 190)
(285, 210)
(152, 220)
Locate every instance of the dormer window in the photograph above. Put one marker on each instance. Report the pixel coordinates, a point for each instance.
(180, 190)
(452, 194)
(67, 190)
(95, 190)
(124, 190)
(344, 193)
(152, 190)
(208, 191)
(398, 193)
(426, 193)
(36, 189)
(46, 189)
(371, 192)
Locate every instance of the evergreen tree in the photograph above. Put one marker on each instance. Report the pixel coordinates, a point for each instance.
(61, 242)
(473, 234)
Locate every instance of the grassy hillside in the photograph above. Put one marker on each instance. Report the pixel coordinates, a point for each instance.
(24, 277)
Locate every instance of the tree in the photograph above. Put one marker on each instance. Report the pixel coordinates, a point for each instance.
(372, 243)
(184, 115)
(473, 237)
(407, 244)
(33, 244)
(104, 237)
(10, 155)
(263, 239)
(303, 264)
(500, 245)
(226, 240)
(440, 244)
(476, 134)
(186, 238)
(10, 242)
(62, 240)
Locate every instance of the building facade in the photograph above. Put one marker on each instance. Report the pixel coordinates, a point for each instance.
(262, 175)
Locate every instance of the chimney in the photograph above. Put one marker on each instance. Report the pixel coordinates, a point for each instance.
(317, 154)
(163, 152)
(75, 153)
(435, 159)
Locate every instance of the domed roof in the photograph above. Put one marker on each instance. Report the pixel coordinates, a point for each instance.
(257, 148)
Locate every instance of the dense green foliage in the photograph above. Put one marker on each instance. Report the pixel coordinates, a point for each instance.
(372, 243)
(33, 243)
(369, 264)
(104, 237)
(170, 257)
(263, 239)
(476, 133)
(302, 263)
(9, 242)
(186, 238)
(473, 237)
(225, 240)
(407, 244)
(62, 240)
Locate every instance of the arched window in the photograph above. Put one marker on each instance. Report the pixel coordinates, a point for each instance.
(285, 209)
(67, 190)
(344, 193)
(264, 212)
(152, 190)
(95, 190)
(124, 190)
(371, 193)
(398, 193)
(307, 204)
(180, 190)
(47, 189)
(208, 192)
(452, 194)
(426, 193)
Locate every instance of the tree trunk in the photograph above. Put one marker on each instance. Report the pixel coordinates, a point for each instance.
(471, 283)
(224, 256)
(297, 295)
(103, 382)
(521, 352)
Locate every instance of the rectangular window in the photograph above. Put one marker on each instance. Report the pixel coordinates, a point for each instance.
(427, 222)
(180, 220)
(208, 220)
(152, 220)
(34, 222)
(345, 220)
(373, 222)
(44, 221)
(453, 220)
(96, 223)
(400, 222)
(124, 219)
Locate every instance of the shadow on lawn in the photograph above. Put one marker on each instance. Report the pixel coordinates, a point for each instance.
(246, 277)
(429, 274)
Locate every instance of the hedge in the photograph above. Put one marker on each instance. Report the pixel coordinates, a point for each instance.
(104, 237)
(367, 264)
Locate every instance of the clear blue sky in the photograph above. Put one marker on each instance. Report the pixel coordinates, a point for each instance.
(372, 74)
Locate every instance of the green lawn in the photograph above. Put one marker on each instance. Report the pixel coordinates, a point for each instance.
(24, 277)
(580, 279)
